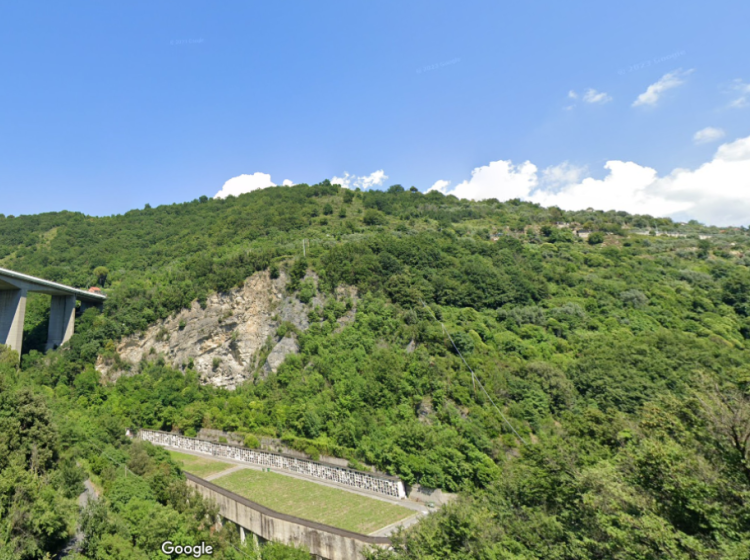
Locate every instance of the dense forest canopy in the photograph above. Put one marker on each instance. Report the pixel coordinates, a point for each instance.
(616, 345)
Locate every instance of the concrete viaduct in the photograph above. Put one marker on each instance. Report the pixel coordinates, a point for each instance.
(323, 541)
(14, 287)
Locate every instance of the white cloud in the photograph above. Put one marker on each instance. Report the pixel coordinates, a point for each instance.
(363, 182)
(557, 176)
(500, 179)
(708, 134)
(654, 91)
(245, 183)
(593, 96)
(744, 90)
(624, 188)
(717, 192)
(572, 94)
(374, 178)
(344, 181)
(440, 186)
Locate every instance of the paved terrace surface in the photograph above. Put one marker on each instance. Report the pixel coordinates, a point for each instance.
(396, 501)
(362, 480)
(324, 541)
(382, 532)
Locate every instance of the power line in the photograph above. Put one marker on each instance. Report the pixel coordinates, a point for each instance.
(475, 380)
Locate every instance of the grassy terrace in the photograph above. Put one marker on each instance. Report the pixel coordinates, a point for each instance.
(313, 501)
(199, 466)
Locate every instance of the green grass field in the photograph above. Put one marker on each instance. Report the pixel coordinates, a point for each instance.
(199, 466)
(313, 501)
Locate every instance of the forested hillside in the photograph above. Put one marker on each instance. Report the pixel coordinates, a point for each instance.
(618, 354)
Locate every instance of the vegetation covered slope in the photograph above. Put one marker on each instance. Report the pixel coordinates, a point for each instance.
(621, 360)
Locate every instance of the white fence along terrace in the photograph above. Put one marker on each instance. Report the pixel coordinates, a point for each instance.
(381, 484)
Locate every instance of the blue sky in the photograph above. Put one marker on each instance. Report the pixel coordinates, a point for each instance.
(107, 106)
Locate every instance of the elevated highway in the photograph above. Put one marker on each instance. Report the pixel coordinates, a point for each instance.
(14, 288)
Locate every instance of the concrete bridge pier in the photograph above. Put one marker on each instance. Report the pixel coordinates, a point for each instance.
(14, 287)
(62, 314)
(12, 314)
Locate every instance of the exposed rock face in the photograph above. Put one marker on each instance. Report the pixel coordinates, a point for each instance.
(279, 352)
(411, 346)
(426, 410)
(225, 339)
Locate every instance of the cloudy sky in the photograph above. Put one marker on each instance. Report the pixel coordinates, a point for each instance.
(646, 107)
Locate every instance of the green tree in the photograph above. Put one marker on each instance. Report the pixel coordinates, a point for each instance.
(373, 218)
(101, 273)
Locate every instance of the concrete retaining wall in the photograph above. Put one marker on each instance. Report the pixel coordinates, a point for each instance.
(390, 486)
(322, 540)
(274, 445)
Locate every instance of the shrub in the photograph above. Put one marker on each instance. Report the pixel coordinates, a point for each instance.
(373, 218)
(529, 315)
(251, 442)
(463, 342)
(595, 238)
(286, 329)
(273, 270)
(162, 335)
(307, 291)
(356, 465)
(634, 298)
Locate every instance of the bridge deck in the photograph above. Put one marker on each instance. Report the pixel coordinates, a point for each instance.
(47, 286)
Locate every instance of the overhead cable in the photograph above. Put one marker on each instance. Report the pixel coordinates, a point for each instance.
(474, 377)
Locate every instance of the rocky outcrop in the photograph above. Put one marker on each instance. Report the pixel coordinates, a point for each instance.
(226, 338)
(279, 353)
(437, 497)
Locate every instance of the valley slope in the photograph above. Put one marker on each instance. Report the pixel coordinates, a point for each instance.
(618, 353)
